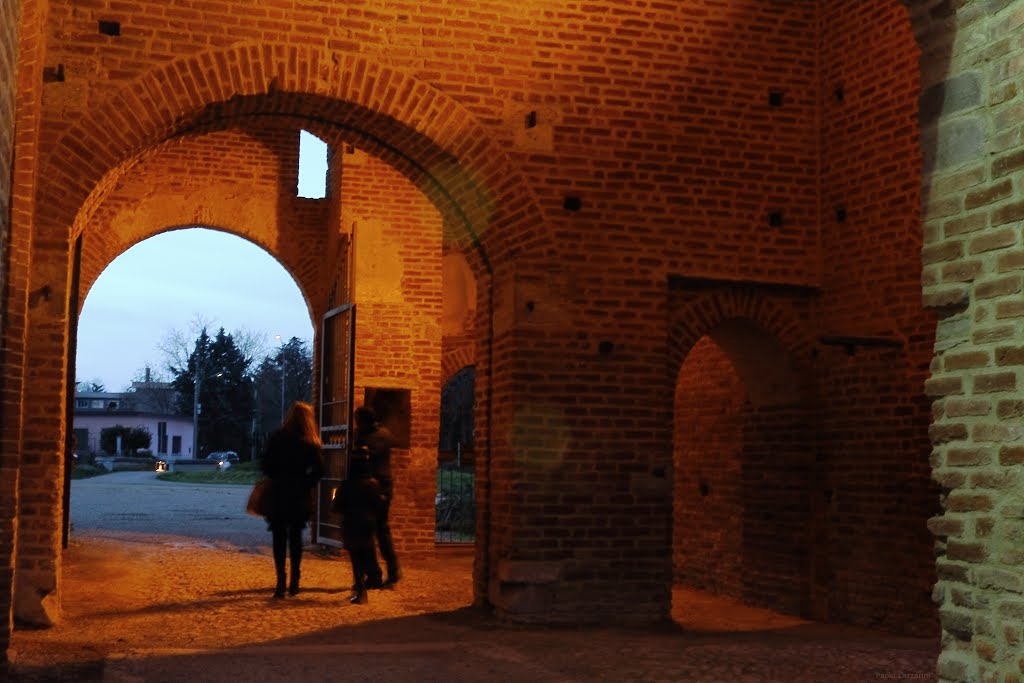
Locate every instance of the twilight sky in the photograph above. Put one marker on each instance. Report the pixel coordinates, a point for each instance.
(164, 283)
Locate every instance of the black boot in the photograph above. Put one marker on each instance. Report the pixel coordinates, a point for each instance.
(359, 597)
(281, 580)
(293, 587)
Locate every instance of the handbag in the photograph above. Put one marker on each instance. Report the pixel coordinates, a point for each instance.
(259, 499)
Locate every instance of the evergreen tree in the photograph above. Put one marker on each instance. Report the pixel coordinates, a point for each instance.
(225, 393)
(280, 380)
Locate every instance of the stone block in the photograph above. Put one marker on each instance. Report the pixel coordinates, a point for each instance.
(953, 95)
(953, 144)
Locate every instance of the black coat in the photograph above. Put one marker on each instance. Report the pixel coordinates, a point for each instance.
(294, 468)
(379, 443)
(359, 502)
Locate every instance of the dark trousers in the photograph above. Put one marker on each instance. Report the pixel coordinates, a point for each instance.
(363, 559)
(287, 537)
(387, 546)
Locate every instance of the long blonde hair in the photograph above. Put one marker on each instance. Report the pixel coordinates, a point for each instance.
(301, 423)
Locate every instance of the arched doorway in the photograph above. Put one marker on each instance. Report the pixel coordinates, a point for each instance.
(440, 178)
(743, 464)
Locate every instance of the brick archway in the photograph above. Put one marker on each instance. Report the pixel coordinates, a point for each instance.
(413, 127)
(486, 208)
(691, 320)
(743, 452)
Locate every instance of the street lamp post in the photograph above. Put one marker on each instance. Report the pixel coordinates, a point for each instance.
(196, 410)
(195, 414)
(280, 361)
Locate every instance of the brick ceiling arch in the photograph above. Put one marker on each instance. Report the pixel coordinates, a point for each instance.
(408, 123)
(712, 312)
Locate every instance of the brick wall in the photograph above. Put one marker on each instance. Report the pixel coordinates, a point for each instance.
(971, 131)
(875, 413)
(397, 291)
(9, 16)
(700, 140)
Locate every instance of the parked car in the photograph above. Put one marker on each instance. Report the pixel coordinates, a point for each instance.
(224, 458)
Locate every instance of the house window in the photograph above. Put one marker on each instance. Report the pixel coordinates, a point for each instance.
(161, 437)
(175, 445)
(82, 403)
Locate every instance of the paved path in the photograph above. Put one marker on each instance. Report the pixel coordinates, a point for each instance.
(139, 503)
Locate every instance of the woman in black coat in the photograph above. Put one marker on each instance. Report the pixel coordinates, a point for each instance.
(293, 463)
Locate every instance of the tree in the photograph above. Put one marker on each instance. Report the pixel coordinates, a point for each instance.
(225, 392)
(92, 385)
(132, 439)
(280, 380)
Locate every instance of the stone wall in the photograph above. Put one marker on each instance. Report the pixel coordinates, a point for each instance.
(971, 126)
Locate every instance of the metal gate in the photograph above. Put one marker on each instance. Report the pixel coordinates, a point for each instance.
(338, 351)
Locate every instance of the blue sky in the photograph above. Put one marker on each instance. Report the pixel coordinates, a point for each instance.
(168, 281)
(164, 283)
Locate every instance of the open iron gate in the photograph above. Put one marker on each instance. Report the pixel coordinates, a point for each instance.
(337, 354)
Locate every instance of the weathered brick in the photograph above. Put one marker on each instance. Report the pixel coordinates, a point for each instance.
(988, 195)
(962, 407)
(961, 271)
(996, 239)
(1000, 381)
(1003, 286)
(943, 386)
(1011, 455)
(989, 335)
(947, 432)
(966, 360)
(968, 502)
(966, 552)
(1008, 163)
(950, 296)
(1011, 260)
(997, 432)
(967, 457)
(946, 526)
(945, 251)
(965, 224)
(1009, 355)
(1010, 309)
(1010, 409)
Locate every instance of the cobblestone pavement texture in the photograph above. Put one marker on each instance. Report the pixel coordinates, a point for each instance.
(145, 606)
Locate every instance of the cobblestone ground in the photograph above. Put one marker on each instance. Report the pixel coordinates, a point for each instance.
(164, 608)
(193, 604)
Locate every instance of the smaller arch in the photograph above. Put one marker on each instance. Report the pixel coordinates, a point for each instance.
(733, 312)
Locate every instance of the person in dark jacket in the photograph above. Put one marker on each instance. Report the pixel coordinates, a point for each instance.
(293, 463)
(360, 501)
(378, 441)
